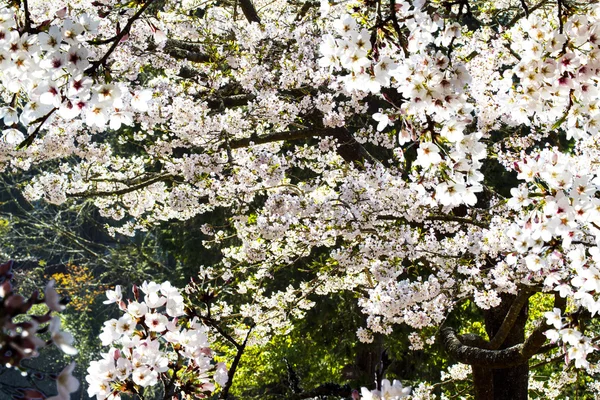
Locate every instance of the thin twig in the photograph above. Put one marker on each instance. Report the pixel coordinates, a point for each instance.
(234, 365)
(560, 21)
(117, 39)
(29, 139)
(524, 5)
(27, 26)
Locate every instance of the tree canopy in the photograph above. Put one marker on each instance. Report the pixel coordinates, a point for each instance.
(419, 177)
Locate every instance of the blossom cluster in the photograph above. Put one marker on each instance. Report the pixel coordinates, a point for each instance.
(430, 85)
(351, 53)
(395, 119)
(577, 345)
(556, 238)
(154, 342)
(389, 391)
(557, 74)
(22, 338)
(47, 73)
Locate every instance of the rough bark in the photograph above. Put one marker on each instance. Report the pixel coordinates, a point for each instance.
(500, 367)
(508, 383)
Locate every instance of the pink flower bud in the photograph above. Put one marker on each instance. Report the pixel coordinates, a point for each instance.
(159, 36)
(5, 268)
(206, 351)
(61, 13)
(14, 302)
(5, 289)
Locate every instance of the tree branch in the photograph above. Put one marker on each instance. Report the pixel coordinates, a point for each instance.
(452, 218)
(279, 136)
(474, 355)
(511, 317)
(474, 350)
(524, 5)
(349, 148)
(117, 39)
(235, 100)
(401, 38)
(185, 51)
(447, 218)
(305, 7)
(560, 15)
(129, 189)
(30, 138)
(27, 26)
(517, 17)
(249, 11)
(234, 365)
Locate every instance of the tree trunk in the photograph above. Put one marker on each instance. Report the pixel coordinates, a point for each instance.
(506, 383)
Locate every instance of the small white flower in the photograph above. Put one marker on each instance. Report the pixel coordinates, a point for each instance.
(221, 376)
(137, 310)
(570, 336)
(554, 318)
(144, 376)
(156, 322)
(66, 383)
(114, 296)
(51, 298)
(63, 340)
(126, 325)
(428, 154)
(140, 100)
(383, 120)
(12, 137)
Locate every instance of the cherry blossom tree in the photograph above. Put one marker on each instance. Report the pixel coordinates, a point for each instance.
(438, 153)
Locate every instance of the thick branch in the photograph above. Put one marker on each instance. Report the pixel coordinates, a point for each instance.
(560, 15)
(446, 218)
(511, 317)
(128, 189)
(27, 27)
(279, 136)
(185, 51)
(477, 356)
(249, 11)
(349, 148)
(235, 100)
(524, 5)
(473, 350)
(305, 7)
(452, 218)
